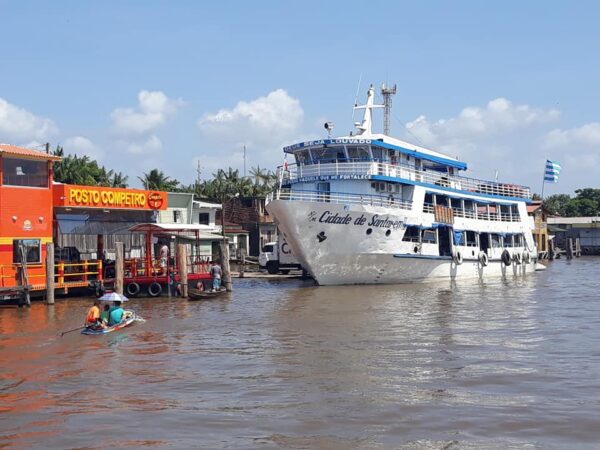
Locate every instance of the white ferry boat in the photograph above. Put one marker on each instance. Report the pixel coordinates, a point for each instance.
(370, 209)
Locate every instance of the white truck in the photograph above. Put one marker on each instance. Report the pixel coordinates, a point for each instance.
(278, 257)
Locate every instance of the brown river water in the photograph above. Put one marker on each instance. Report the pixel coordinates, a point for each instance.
(284, 364)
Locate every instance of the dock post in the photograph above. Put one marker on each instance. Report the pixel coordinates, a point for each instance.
(183, 272)
(570, 248)
(225, 265)
(50, 273)
(119, 269)
(577, 247)
(243, 267)
(551, 249)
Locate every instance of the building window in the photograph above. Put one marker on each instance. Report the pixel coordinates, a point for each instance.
(177, 216)
(203, 218)
(31, 248)
(22, 172)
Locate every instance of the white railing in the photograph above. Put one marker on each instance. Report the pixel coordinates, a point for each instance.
(340, 198)
(366, 169)
(479, 215)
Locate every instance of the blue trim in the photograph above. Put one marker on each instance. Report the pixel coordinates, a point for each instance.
(417, 154)
(470, 193)
(415, 256)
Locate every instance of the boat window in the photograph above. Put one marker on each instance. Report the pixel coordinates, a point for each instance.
(359, 152)
(22, 172)
(302, 157)
(518, 240)
(459, 237)
(378, 154)
(441, 200)
(268, 249)
(456, 203)
(31, 248)
(329, 154)
(429, 237)
(471, 239)
(508, 241)
(495, 239)
(429, 198)
(411, 234)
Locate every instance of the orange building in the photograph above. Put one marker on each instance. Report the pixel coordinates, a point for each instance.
(26, 214)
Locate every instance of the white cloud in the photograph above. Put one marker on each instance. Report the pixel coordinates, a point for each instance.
(150, 145)
(498, 116)
(265, 121)
(577, 148)
(81, 146)
(18, 124)
(154, 107)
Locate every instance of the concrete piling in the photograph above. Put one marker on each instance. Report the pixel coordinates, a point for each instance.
(50, 273)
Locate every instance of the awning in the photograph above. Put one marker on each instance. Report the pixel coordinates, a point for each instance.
(168, 227)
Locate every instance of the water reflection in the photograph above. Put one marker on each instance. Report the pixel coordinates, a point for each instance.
(501, 363)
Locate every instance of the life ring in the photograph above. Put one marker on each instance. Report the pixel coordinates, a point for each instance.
(155, 289)
(457, 256)
(483, 259)
(132, 289)
(517, 257)
(506, 259)
(526, 257)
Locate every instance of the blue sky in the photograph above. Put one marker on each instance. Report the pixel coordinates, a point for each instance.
(144, 84)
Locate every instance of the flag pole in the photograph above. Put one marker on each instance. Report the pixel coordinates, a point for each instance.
(544, 180)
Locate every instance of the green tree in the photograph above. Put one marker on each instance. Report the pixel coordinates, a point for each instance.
(156, 180)
(73, 169)
(557, 204)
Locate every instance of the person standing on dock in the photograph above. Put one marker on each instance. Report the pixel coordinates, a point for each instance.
(215, 273)
(164, 255)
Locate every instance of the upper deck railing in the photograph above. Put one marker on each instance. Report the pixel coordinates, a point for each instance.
(367, 169)
(340, 198)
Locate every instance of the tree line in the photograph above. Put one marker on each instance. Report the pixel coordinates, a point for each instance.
(73, 169)
(586, 203)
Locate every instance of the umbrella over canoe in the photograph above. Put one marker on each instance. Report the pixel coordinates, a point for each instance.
(113, 297)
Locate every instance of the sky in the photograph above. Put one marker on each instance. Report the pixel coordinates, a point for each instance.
(172, 85)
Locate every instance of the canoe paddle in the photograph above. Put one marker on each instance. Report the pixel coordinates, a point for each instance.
(74, 329)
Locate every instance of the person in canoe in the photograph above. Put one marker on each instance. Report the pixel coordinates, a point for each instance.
(105, 315)
(115, 314)
(93, 315)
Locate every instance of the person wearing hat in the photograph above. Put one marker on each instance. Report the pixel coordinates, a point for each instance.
(115, 315)
(93, 314)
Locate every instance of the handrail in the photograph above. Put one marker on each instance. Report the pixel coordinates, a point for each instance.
(341, 198)
(493, 216)
(367, 169)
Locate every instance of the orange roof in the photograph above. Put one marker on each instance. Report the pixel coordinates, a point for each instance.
(26, 153)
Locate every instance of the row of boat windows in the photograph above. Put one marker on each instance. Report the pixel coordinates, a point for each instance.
(467, 238)
(470, 205)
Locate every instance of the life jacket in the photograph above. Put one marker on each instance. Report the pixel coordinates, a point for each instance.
(93, 314)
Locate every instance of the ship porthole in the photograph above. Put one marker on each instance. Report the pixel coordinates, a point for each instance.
(388, 232)
(369, 230)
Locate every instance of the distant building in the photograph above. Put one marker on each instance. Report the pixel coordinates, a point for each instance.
(250, 215)
(539, 214)
(587, 229)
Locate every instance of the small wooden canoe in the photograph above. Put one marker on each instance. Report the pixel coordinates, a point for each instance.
(195, 294)
(129, 318)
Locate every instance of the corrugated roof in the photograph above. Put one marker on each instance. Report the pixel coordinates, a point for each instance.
(13, 150)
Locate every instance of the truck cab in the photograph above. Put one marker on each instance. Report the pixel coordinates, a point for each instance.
(277, 257)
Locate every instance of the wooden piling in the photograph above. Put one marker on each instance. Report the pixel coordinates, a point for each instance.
(577, 248)
(183, 268)
(226, 275)
(50, 273)
(551, 249)
(119, 268)
(243, 266)
(570, 248)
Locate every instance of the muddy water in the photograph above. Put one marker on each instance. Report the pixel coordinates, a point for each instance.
(501, 364)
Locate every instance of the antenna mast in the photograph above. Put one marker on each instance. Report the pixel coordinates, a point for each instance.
(244, 160)
(387, 93)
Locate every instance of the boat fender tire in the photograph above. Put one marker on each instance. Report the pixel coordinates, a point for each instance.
(458, 259)
(518, 258)
(132, 289)
(483, 259)
(506, 257)
(526, 257)
(155, 289)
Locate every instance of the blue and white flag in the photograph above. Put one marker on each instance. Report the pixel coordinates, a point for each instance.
(552, 171)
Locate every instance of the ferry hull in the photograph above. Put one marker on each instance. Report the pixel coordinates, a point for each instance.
(332, 243)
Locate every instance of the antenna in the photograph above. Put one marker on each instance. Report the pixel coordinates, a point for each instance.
(244, 160)
(387, 93)
(356, 96)
(198, 172)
